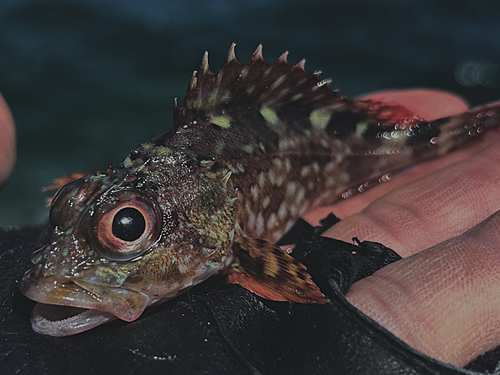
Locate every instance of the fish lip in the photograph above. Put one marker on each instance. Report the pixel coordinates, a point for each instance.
(42, 323)
(123, 303)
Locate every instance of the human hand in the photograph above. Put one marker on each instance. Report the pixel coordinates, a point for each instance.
(7, 142)
(442, 217)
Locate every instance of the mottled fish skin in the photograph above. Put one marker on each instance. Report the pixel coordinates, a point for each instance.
(252, 148)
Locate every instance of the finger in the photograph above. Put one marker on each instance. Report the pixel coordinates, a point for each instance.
(431, 209)
(443, 301)
(429, 104)
(7, 142)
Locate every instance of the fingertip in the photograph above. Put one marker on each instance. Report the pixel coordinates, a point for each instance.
(427, 103)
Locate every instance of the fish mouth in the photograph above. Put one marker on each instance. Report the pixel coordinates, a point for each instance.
(69, 307)
(59, 321)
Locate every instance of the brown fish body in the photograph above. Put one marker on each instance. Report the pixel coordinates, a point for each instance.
(252, 148)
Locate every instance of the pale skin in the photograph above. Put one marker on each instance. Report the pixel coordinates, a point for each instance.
(442, 217)
(7, 142)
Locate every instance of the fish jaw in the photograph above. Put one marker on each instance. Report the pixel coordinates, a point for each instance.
(125, 304)
(59, 321)
(54, 314)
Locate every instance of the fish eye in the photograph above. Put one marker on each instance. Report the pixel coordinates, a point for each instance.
(126, 226)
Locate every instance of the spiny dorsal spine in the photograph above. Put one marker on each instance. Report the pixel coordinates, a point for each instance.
(278, 85)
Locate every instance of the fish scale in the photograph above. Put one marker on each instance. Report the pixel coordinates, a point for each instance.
(252, 148)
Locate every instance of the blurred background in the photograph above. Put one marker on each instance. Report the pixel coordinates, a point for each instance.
(87, 80)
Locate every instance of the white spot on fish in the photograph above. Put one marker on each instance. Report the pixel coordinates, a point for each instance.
(272, 177)
(289, 224)
(304, 171)
(240, 167)
(311, 185)
(330, 167)
(251, 219)
(282, 211)
(278, 163)
(254, 190)
(360, 129)
(330, 181)
(344, 177)
(259, 227)
(248, 149)
(266, 202)
(271, 221)
(279, 180)
(300, 195)
(292, 186)
(284, 144)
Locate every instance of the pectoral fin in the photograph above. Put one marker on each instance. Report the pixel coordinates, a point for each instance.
(269, 272)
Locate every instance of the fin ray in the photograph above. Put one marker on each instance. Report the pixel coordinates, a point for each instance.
(266, 270)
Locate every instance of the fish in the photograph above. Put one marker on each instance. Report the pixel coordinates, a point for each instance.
(251, 149)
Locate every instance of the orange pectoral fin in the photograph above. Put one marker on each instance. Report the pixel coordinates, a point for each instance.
(266, 270)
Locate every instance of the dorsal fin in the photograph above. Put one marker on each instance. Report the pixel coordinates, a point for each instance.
(277, 85)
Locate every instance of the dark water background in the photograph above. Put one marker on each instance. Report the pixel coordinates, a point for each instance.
(87, 80)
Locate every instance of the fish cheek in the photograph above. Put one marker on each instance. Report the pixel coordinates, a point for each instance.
(159, 267)
(214, 219)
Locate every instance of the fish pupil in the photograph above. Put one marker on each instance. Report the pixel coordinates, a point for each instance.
(128, 224)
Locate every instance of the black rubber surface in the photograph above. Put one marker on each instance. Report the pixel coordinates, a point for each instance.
(217, 328)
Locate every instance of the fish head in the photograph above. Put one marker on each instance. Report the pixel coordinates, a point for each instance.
(124, 240)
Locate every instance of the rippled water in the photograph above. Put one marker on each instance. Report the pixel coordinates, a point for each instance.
(87, 80)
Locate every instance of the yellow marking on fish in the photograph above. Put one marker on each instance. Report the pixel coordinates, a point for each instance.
(320, 117)
(279, 81)
(162, 151)
(127, 163)
(269, 114)
(271, 267)
(360, 129)
(222, 121)
(226, 96)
